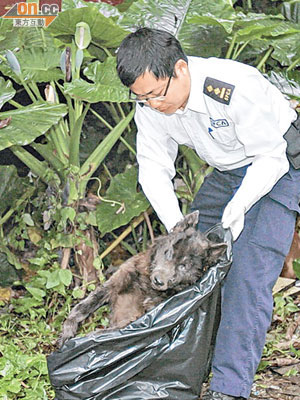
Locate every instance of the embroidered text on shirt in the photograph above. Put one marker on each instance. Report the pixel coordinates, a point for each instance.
(219, 123)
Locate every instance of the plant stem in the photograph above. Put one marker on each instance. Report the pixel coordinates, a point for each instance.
(106, 51)
(46, 153)
(102, 119)
(231, 46)
(265, 57)
(127, 246)
(131, 149)
(75, 136)
(148, 223)
(293, 65)
(26, 87)
(15, 104)
(122, 114)
(107, 171)
(56, 140)
(123, 235)
(113, 111)
(134, 235)
(36, 166)
(33, 86)
(238, 50)
(101, 151)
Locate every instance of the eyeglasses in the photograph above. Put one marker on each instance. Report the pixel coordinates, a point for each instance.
(138, 99)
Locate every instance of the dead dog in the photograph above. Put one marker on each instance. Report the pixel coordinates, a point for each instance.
(173, 263)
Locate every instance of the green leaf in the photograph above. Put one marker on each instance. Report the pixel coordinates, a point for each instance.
(104, 31)
(296, 266)
(53, 280)
(97, 263)
(27, 219)
(8, 274)
(29, 122)
(35, 292)
(11, 186)
(122, 189)
(7, 91)
(174, 16)
(78, 293)
(65, 276)
(287, 82)
(219, 13)
(68, 213)
(37, 64)
(11, 257)
(12, 38)
(15, 386)
(287, 49)
(107, 86)
(291, 10)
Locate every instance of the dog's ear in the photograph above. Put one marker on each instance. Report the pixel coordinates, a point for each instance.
(215, 251)
(189, 221)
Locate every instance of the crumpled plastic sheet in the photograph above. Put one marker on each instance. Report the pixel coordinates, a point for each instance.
(165, 354)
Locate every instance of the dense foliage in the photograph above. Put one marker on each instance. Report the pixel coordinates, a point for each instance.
(67, 118)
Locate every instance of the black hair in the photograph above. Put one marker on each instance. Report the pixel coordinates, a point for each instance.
(148, 49)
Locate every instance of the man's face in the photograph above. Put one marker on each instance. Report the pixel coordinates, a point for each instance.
(147, 86)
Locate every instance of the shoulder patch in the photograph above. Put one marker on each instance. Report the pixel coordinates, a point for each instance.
(218, 90)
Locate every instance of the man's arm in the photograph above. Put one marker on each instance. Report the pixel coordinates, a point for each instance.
(156, 154)
(261, 133)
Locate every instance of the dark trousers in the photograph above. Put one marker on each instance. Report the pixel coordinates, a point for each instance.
(258, 256)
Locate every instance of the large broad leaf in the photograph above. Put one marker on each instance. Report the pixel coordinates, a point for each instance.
(7, 91)
(123, 190)
(175, 17)
(291, 10)
(105, 32)
(107, 86)
(5, 27)
(12, 38)
(245, 26)
(287, 49)
(287, 82)
(219, 13)
(29, 122)
(106, 9)
(11, 187)
(37, 64)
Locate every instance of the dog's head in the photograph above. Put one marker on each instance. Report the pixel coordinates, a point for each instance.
(179, 259)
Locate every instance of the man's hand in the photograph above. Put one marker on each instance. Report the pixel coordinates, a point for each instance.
(233, 218)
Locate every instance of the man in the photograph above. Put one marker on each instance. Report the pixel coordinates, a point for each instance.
(235, 120)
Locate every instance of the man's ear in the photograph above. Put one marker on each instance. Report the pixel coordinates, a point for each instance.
(180, 68)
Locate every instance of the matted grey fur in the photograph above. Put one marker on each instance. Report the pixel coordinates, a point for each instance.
(174, 262)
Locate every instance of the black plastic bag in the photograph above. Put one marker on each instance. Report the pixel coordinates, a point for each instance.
(165, 354)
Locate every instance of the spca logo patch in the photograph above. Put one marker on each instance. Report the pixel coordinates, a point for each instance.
(219, 123)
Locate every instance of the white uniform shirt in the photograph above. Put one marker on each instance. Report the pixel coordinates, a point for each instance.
(234, 117)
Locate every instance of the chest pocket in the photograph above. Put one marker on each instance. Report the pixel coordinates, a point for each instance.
(224, 136)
